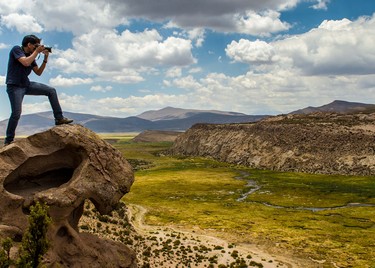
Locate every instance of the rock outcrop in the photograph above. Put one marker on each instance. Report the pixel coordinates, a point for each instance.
(63, 167)
(156, 136)
(316, 143)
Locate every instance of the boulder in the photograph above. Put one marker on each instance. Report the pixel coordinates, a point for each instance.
(63, 167)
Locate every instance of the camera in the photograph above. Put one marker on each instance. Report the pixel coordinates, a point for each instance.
(49, 49)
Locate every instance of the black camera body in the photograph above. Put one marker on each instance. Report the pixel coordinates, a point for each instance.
(49, 49)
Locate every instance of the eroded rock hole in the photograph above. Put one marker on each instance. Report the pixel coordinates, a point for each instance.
(41, 173)
(29, 185)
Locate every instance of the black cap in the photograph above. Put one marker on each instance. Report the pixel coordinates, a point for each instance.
(33, 39)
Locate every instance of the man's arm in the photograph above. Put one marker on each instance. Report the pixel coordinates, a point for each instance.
(38, 70)
(27, 61)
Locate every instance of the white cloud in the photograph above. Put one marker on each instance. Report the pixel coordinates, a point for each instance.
(251, 51)
(227, 16)
(259, 18)
(123, 107)
(60, 81)
(2, 80)
(260, 24)
(174, 72)
(101, 88)
(321, 4)
(123, 56)
(23, 23)
(198, 35)
(334, 48)
(62, 15)
(2, 46)
(195, 70)
(194, 16)
(187, 82)
(15, 6)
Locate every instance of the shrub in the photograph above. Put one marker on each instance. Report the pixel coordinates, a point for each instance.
(34, 240)
(5, 260)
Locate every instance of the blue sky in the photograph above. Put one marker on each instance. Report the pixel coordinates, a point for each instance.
(123, 57)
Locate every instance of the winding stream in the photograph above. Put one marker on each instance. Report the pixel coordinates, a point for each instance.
(255, 187)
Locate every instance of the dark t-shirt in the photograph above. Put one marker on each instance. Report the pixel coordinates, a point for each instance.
(17, 74)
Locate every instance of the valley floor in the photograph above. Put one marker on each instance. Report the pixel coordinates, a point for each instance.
(216, 250)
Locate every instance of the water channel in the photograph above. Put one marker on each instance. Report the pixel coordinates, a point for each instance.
(255, 187)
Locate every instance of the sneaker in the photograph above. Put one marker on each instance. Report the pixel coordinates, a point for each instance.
(7, 143)
(63, 121)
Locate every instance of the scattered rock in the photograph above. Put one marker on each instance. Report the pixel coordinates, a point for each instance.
(63, 167)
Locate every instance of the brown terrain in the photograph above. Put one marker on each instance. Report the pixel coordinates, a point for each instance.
(63, 167)
(169, 246)
(156, 136)
(320, 142)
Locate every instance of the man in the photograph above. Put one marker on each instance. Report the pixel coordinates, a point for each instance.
(21, 63)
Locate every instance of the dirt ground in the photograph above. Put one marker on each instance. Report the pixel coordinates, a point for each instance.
(172, 247)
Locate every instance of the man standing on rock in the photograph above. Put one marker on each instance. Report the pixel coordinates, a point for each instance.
(21, 63)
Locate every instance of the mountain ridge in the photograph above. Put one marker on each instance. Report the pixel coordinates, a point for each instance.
(168, 118)
(338, 106)
(170, 113)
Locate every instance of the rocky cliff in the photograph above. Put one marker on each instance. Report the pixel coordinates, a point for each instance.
(315, 143)
(63, 167)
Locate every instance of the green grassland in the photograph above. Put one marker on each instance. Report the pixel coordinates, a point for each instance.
(323, 217)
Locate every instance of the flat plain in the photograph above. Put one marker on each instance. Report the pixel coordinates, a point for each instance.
(319, 220)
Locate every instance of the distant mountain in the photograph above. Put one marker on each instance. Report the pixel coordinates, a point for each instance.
(173, 119)
(167, 119)
(339, 106)
(171, 113)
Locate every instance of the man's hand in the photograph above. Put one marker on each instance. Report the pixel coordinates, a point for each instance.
(40, 48)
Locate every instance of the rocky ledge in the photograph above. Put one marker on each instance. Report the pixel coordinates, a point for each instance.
(63, 167)
(326, 143)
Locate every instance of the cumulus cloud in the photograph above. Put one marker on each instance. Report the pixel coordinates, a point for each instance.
(218, 15)
(321, 4)
(260, 24)
(123, 57)
(23, 23)
(251, 51)
(177, 9)
(341, 47)
(198, 35)
(63, 15)
(60, 81)
(174, 72)
(101, 88)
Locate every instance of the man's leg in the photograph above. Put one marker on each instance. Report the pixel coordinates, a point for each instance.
(38, 89)
(16, 95)
(42, 89)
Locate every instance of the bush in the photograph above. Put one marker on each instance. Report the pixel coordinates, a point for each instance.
(5, 260)
(34, 241)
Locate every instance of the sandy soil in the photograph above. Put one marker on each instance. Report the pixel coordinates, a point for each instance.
(174, 247)
(225, 254)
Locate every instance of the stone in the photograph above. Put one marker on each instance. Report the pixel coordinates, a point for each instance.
(63, 167)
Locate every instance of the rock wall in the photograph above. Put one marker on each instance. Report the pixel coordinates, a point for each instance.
(63, 167)
(315, 143)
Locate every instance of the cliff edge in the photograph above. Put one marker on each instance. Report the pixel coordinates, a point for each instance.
(326, 143)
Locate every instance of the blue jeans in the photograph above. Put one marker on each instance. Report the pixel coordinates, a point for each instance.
(16, 94)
